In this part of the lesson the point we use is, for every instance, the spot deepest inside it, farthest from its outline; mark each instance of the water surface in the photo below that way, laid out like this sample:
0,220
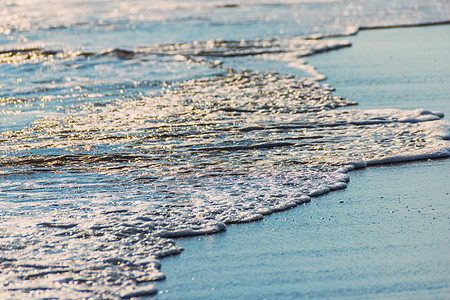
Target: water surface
124,125
384,236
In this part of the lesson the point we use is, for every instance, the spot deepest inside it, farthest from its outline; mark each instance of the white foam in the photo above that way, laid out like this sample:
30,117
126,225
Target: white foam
201,230
99,189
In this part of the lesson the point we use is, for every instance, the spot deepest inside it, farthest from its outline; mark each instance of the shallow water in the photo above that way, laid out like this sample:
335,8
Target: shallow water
125,124
384,236
399,51
379,238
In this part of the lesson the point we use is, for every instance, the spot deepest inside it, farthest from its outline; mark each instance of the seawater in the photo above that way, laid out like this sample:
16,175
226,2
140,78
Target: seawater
127,124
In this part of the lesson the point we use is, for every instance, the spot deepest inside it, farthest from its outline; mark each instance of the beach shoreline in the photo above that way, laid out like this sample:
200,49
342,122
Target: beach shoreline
286,254
123,134
250,236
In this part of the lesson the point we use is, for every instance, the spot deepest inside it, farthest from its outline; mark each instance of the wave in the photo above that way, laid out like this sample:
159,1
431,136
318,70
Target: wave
418,24
123,179
96,15
128,158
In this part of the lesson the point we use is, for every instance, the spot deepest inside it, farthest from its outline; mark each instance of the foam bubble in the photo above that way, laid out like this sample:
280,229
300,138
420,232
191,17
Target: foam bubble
125,149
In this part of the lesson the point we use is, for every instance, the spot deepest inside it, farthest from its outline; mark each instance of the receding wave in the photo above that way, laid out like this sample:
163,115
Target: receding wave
419,24
126,125
92,16
297,47
284,143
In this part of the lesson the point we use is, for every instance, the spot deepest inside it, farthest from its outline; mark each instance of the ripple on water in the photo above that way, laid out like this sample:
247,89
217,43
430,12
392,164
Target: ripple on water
105,190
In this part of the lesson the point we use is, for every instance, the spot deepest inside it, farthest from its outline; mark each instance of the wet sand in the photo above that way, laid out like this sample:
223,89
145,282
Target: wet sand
385,236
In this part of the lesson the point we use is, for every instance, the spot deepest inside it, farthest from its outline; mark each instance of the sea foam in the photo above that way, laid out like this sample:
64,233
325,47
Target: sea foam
193,158
116,140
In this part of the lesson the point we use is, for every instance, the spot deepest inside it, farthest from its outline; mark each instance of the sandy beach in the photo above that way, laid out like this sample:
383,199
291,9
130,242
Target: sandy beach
135,136
385,236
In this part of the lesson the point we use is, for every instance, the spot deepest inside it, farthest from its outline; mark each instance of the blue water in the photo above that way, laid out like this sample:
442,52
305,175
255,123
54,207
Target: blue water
384,241
384,236
126,123
379,65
